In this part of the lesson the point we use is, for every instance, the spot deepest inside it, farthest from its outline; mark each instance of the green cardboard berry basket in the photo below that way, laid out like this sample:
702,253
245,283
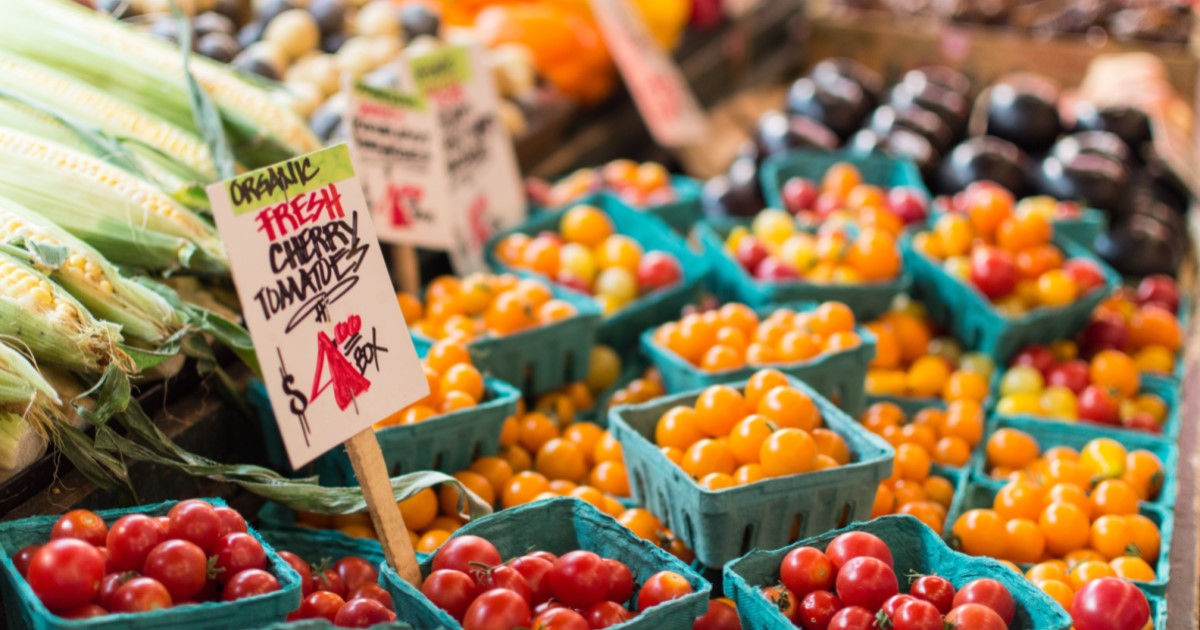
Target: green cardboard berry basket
973,319
732,283
542,358
559,526
915,548
620,329
22,608
1078,434
876,169
720,526
838,376
980,493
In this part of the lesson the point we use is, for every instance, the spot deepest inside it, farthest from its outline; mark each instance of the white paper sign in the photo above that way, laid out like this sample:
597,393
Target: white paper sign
397,145
481,167
661,94
335,352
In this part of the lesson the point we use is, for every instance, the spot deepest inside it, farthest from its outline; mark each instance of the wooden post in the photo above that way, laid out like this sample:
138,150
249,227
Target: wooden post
372,473
406,269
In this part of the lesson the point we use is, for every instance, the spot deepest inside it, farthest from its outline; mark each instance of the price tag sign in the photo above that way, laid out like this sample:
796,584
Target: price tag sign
335,351
397,144
659,90
485,190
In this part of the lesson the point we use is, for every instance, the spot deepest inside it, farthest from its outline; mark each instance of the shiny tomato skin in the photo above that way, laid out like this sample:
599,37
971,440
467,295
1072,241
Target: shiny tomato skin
506,578
23,556
231,522
990,593
535,569
236,553
362,613
784,600
579,579
130,540
86,611
856,544
934,589
560,619
249,583
497,610
993,272
805,570
459,554
355,572
718,616
65,573
663,586
180,566
452,591
916,614
605,614
976,617
329,580
321,605
140,595
889,607
1109,603
544,555
866,582
853,618
196,521
85,525
372,591
301,567
620,584
817,610
109,585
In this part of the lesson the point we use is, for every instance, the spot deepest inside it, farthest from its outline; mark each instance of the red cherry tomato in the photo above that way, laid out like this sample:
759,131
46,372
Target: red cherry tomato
178,565
65,573
458,554
857,544
889,607
916,614
1096,404
934,589
579,579
249,583
302,567
140,595
372,591
236,553
1036,356
195,521
990,593
605,614
108,587
976,617
784,600
866,582
506,578
231,521
544,555
854,618
1109,603
817,610
355,572
1085,273
329,580
362,613
620,583
23,556
805,570
497,610
130,540
657,270
560,619
86,611
719,616
452,591
993,271
85,525
535,570
321,605
663,586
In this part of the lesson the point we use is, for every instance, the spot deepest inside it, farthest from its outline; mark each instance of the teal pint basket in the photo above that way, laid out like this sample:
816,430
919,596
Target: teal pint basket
22,609
620,329
720,526
559,526
732,283
875,168
971,318
1078,434
914,547
839,376
980,493
314,545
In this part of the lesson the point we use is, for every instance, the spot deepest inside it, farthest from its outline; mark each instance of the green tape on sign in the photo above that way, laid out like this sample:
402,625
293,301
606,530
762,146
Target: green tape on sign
390,97
280,182
441,68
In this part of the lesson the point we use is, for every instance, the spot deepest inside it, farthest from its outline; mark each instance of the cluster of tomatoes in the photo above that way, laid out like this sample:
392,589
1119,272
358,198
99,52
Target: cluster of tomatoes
482,304
852,585
579,590
1139,321
733,336
1007,255
775,249
196,553
842,193
732,438
348,594
1104,390
640,185
911,362
454,384
588,255
1046,207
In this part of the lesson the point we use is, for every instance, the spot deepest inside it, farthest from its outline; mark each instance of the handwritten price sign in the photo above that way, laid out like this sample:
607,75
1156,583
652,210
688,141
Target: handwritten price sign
336,354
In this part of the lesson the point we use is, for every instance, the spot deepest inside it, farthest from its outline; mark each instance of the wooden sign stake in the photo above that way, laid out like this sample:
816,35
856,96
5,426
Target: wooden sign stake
406,268
367,460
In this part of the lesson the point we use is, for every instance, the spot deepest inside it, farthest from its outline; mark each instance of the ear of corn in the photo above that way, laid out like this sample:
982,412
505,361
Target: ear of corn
39,315
128,220
21,444
21,384
148,73
88,276
30,409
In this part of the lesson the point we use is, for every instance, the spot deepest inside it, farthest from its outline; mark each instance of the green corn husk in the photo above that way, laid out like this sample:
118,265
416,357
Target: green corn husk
142,314
21,444
147,72
21,384
128,220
